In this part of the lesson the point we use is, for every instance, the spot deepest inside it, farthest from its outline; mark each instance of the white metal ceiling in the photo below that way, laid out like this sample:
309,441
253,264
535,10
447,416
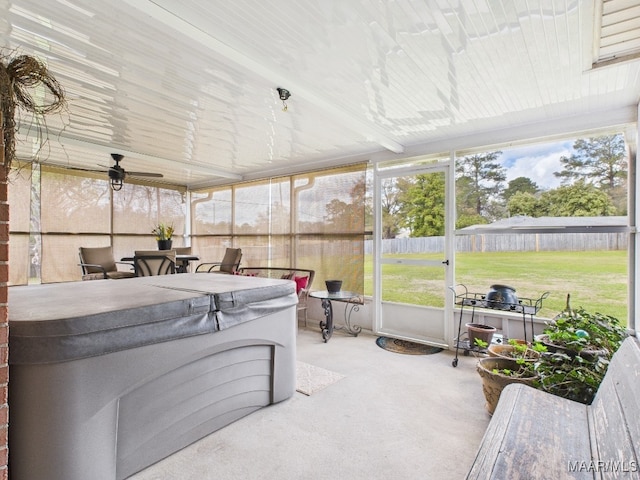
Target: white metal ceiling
188,88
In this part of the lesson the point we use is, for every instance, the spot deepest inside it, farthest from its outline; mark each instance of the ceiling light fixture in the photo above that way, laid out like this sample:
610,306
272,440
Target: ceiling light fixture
284,96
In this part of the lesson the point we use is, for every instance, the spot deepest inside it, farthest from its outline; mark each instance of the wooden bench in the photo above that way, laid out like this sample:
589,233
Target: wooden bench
536,435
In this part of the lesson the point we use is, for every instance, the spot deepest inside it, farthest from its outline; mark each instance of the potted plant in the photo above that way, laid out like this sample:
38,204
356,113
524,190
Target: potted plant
498,372
581,345
582,333
515,349
163,233
478,332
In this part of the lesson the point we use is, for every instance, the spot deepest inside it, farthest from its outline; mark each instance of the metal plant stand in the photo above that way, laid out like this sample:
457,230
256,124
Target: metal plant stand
525,306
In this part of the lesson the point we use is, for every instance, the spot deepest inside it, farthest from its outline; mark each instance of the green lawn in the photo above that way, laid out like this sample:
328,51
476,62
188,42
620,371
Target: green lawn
596,280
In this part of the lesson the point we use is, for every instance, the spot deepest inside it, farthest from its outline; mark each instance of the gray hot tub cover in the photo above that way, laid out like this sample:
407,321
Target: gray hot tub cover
67,321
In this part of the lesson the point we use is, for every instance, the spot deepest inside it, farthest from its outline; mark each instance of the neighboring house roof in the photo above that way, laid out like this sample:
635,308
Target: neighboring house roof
524,224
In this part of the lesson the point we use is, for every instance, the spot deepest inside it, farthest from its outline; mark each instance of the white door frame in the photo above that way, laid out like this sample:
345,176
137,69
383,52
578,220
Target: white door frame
448,167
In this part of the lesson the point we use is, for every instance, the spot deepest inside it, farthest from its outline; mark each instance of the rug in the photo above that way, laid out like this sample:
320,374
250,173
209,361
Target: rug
311,379
404,346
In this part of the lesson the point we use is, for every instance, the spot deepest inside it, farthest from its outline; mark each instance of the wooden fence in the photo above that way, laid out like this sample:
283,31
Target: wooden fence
538,242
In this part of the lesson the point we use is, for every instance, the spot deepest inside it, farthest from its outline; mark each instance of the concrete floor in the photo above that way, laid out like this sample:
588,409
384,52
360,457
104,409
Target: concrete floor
392,416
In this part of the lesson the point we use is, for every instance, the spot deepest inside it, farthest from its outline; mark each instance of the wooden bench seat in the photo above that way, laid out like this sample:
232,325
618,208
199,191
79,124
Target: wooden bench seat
536,435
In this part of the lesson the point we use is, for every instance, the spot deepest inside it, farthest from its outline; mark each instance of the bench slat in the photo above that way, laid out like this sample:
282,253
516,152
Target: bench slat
614,414
534,435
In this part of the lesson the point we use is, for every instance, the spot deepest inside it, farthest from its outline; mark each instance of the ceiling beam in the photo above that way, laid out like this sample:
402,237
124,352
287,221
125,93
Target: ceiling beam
176,22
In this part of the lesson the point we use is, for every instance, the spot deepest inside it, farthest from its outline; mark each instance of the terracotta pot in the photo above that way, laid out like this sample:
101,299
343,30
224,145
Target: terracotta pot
480,331
494,383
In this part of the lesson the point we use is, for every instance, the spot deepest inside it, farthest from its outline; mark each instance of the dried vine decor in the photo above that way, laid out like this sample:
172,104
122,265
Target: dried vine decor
18,77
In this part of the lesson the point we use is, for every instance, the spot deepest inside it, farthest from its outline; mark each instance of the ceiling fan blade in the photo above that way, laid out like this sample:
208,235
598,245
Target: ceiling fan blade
79,169
144,174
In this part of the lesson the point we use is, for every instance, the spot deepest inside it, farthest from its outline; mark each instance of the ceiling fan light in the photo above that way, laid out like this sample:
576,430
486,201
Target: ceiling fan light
116,184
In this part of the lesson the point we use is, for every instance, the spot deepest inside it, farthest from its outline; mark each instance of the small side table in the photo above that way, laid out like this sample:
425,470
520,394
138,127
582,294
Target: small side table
352,302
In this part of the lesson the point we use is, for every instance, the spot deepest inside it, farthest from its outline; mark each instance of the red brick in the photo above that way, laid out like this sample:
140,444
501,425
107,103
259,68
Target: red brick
4,335
4,414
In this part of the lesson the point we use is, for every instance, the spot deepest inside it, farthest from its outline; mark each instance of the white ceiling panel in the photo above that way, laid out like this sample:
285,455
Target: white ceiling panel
188,88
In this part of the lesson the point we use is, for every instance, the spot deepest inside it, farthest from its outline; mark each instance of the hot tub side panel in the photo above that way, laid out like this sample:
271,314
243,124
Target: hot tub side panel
109,416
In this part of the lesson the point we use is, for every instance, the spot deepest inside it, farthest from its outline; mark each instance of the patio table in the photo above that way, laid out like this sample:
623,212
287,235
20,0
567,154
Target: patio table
352,302
182,262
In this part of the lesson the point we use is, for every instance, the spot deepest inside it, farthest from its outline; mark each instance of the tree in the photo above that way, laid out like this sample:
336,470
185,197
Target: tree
348,216
424,205
479,182
578,200
465,220
520,185
598,160
392,192
524,203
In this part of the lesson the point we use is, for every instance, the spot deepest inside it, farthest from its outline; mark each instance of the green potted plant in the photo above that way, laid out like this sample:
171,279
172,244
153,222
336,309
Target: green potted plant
515,349
479,332
582,333
581,345
163,233
498,372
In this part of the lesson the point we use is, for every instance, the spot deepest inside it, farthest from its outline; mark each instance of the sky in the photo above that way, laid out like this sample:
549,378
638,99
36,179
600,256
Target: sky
536,162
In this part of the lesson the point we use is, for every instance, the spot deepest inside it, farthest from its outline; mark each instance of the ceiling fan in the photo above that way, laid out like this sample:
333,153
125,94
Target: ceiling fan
117,174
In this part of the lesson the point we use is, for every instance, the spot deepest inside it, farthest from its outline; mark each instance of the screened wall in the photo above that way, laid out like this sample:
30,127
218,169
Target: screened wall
53,213
313,220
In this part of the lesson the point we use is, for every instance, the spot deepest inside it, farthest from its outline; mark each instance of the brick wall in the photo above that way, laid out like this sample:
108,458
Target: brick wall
4,325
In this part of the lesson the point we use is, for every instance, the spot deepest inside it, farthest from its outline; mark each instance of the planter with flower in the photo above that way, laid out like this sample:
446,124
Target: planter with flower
163,233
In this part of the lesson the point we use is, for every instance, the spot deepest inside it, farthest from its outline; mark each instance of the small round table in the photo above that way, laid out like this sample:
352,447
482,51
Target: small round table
352,302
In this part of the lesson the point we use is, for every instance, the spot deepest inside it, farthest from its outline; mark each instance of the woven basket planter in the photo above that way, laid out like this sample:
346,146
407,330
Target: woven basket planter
494,383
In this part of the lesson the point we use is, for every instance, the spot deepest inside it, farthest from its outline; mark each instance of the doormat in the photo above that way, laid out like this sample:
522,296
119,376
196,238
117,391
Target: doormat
404,346
311,379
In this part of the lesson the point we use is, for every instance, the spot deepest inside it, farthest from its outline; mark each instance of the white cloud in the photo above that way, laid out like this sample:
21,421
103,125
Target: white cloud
538,166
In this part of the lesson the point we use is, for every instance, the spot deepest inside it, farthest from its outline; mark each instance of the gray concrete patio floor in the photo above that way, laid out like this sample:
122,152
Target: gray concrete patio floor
391,416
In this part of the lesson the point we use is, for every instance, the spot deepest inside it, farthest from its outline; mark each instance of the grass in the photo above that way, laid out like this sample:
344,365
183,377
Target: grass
596,280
